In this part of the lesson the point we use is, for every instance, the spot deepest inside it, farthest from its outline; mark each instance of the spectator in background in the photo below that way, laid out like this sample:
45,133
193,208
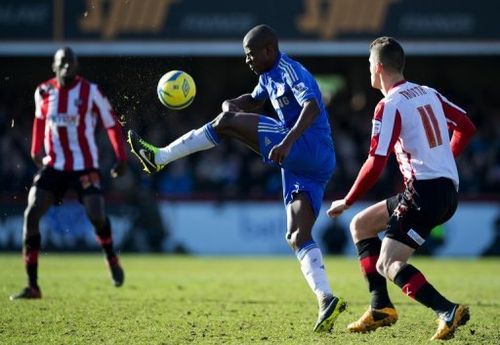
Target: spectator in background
68,108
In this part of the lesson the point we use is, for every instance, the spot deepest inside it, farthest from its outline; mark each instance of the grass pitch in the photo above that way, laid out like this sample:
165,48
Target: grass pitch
230,300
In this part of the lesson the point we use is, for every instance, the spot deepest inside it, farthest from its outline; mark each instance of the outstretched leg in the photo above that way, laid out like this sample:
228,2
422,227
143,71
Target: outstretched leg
300,220
241,126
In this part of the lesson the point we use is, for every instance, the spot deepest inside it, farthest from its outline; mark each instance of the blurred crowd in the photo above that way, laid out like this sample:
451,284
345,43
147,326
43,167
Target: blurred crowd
232,171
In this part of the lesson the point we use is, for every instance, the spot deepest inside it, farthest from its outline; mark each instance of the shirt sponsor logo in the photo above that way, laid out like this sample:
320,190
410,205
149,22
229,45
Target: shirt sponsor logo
65,120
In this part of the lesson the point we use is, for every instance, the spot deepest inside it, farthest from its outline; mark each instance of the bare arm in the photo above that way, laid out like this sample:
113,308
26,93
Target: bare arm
310,110
243,103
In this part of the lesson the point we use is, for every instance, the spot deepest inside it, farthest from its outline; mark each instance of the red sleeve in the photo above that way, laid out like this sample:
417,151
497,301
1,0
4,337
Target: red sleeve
116,138
367,176
37,136
462,126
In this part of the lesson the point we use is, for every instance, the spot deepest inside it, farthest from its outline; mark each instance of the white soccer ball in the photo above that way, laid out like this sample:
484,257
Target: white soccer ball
176,90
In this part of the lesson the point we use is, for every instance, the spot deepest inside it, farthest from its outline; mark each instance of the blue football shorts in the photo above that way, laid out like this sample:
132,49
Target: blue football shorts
308,166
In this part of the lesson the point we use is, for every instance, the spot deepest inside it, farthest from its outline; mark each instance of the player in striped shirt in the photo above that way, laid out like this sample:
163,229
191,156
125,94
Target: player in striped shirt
299,142
413,122
68,110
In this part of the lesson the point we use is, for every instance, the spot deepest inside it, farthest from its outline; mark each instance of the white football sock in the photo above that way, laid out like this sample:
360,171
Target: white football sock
311,264
200,139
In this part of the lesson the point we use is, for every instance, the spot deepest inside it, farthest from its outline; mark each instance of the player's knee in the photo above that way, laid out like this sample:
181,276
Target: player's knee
223,121
354,226
295,239
388,267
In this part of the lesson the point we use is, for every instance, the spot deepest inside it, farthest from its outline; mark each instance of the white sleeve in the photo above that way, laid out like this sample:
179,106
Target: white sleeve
101,104
38,103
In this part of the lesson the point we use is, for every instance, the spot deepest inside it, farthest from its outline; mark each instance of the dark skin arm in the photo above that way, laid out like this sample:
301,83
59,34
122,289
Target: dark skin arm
244,103
310,110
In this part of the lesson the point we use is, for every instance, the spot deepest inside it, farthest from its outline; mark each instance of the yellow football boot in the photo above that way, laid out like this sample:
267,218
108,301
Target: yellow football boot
373,319
448,324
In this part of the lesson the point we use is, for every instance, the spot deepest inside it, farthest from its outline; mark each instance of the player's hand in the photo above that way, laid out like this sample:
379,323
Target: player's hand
279,152
119,169
337,208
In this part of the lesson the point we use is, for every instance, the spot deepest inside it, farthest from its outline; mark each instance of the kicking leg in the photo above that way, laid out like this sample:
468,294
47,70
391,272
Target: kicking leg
241,126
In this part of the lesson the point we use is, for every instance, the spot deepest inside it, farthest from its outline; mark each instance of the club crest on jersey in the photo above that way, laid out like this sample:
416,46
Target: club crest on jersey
280,90
376,127
78,102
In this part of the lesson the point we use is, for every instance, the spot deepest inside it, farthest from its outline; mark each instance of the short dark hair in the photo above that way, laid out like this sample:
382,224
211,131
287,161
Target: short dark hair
261,36
389,53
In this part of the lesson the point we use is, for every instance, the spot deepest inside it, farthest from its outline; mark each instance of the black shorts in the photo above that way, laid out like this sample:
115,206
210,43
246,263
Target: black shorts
416,211
84,182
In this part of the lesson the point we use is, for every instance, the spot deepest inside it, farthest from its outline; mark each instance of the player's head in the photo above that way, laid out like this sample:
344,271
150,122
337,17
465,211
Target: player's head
65,65
386,56
261,48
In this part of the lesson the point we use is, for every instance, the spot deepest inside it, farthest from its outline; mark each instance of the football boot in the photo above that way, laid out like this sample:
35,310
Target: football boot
373,319
144,151
329,311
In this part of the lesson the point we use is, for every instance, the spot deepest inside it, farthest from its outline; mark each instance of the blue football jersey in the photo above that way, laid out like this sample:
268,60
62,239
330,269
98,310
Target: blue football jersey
288,85
311,160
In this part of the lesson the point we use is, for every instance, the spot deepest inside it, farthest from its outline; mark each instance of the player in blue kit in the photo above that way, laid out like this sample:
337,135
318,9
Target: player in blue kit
299,142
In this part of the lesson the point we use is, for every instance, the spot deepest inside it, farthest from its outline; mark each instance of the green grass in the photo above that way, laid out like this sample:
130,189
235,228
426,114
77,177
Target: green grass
230,300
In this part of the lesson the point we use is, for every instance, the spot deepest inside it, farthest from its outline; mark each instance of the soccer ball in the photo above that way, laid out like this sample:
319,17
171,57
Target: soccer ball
176,90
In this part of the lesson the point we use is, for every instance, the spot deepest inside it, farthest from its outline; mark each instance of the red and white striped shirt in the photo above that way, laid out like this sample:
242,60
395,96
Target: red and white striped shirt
66,120
413,121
